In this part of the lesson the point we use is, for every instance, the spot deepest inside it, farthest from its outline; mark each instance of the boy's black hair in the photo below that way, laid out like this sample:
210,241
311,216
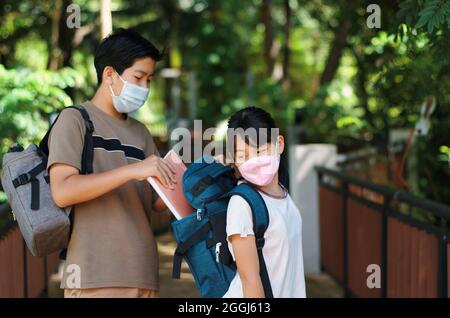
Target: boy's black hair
257,118
120,50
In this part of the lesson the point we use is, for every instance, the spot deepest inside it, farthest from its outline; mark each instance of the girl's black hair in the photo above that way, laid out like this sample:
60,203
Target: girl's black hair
257,118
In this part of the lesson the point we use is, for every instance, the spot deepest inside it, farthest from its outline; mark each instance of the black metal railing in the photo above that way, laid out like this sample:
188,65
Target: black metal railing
390,204
23,259
32,280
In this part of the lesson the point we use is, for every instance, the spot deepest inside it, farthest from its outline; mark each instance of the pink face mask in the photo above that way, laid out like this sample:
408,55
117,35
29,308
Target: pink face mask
260,170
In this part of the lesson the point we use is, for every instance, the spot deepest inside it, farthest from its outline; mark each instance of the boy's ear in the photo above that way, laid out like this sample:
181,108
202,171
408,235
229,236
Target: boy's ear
108,73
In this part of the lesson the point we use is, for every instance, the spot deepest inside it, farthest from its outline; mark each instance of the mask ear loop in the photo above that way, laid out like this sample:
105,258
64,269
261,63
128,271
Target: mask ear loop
112,92
110,87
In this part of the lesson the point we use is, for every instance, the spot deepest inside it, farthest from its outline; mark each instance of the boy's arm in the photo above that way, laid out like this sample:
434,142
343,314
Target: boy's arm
68,187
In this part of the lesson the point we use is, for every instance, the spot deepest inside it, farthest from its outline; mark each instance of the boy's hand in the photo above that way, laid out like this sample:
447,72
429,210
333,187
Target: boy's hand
154,166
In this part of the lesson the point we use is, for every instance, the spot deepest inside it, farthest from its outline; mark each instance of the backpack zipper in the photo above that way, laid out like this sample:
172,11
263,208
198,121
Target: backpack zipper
222,266
218,245
219,266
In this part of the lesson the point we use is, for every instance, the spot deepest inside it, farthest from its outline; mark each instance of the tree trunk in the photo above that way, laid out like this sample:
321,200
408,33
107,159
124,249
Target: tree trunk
105,18
54,57
169,8
334,56
66,43
269,54
361,80
66,36
287,47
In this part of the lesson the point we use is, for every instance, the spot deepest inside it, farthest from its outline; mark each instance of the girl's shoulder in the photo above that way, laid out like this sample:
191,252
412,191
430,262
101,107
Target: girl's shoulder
237,202
239,217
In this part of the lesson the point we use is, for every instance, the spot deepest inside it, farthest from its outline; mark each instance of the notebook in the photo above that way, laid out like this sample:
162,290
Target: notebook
174,198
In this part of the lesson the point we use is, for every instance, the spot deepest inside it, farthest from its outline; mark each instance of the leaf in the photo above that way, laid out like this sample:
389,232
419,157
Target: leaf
422,21
433,14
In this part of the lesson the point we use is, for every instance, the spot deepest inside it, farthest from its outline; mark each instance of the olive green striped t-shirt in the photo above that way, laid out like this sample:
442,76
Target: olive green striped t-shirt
112,242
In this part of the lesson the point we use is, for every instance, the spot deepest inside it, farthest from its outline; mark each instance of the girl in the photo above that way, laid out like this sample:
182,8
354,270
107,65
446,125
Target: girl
258,163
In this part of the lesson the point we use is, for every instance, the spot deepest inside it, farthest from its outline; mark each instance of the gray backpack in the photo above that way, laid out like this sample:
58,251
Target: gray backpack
45,227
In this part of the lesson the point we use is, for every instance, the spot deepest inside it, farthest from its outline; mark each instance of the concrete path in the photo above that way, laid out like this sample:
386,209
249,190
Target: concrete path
321,285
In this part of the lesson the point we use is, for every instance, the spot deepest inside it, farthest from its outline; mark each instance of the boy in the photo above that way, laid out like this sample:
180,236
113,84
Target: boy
111,244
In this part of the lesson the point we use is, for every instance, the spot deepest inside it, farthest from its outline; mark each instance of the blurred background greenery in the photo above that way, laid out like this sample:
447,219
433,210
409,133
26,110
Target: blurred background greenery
313,64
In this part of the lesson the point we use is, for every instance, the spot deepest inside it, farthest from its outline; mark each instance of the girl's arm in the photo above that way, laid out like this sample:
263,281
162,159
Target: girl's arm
247,262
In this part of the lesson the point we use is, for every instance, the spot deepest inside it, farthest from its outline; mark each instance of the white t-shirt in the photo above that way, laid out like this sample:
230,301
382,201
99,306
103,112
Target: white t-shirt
282,250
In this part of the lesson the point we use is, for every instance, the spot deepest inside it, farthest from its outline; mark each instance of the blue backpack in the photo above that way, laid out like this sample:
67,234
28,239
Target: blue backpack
202,238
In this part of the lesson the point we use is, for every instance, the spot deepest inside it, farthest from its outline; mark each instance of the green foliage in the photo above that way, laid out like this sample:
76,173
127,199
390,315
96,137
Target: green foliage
430,14
426,35
27,98
382,78
444,155
394,69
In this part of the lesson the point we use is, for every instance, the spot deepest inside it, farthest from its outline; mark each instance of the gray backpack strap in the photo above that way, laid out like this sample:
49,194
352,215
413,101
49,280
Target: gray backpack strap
30,176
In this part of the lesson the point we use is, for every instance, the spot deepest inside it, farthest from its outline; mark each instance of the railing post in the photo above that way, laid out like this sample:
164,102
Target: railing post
25,269
384,246
319,183
345,234
45,275
442,266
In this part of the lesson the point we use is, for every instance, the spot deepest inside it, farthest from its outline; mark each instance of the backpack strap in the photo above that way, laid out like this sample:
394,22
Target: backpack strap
183,247
87,157
28,177
88,146
260,217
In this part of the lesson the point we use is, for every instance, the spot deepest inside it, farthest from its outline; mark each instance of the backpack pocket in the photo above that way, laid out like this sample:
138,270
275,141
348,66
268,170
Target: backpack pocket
196,244
45,228
208,274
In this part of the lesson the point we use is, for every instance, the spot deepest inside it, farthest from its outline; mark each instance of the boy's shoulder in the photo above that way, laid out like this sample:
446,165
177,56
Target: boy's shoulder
69,117
71,113
136,124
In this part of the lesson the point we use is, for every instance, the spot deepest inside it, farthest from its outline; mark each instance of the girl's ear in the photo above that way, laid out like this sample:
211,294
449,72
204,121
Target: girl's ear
280,144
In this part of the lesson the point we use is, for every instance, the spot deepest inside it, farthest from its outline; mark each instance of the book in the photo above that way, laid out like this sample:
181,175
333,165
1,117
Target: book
174,198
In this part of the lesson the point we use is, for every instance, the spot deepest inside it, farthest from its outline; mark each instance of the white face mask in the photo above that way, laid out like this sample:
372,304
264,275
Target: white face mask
131,98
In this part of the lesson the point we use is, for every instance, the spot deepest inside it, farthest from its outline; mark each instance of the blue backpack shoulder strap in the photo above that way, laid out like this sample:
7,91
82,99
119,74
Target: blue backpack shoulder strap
260,216
259,210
